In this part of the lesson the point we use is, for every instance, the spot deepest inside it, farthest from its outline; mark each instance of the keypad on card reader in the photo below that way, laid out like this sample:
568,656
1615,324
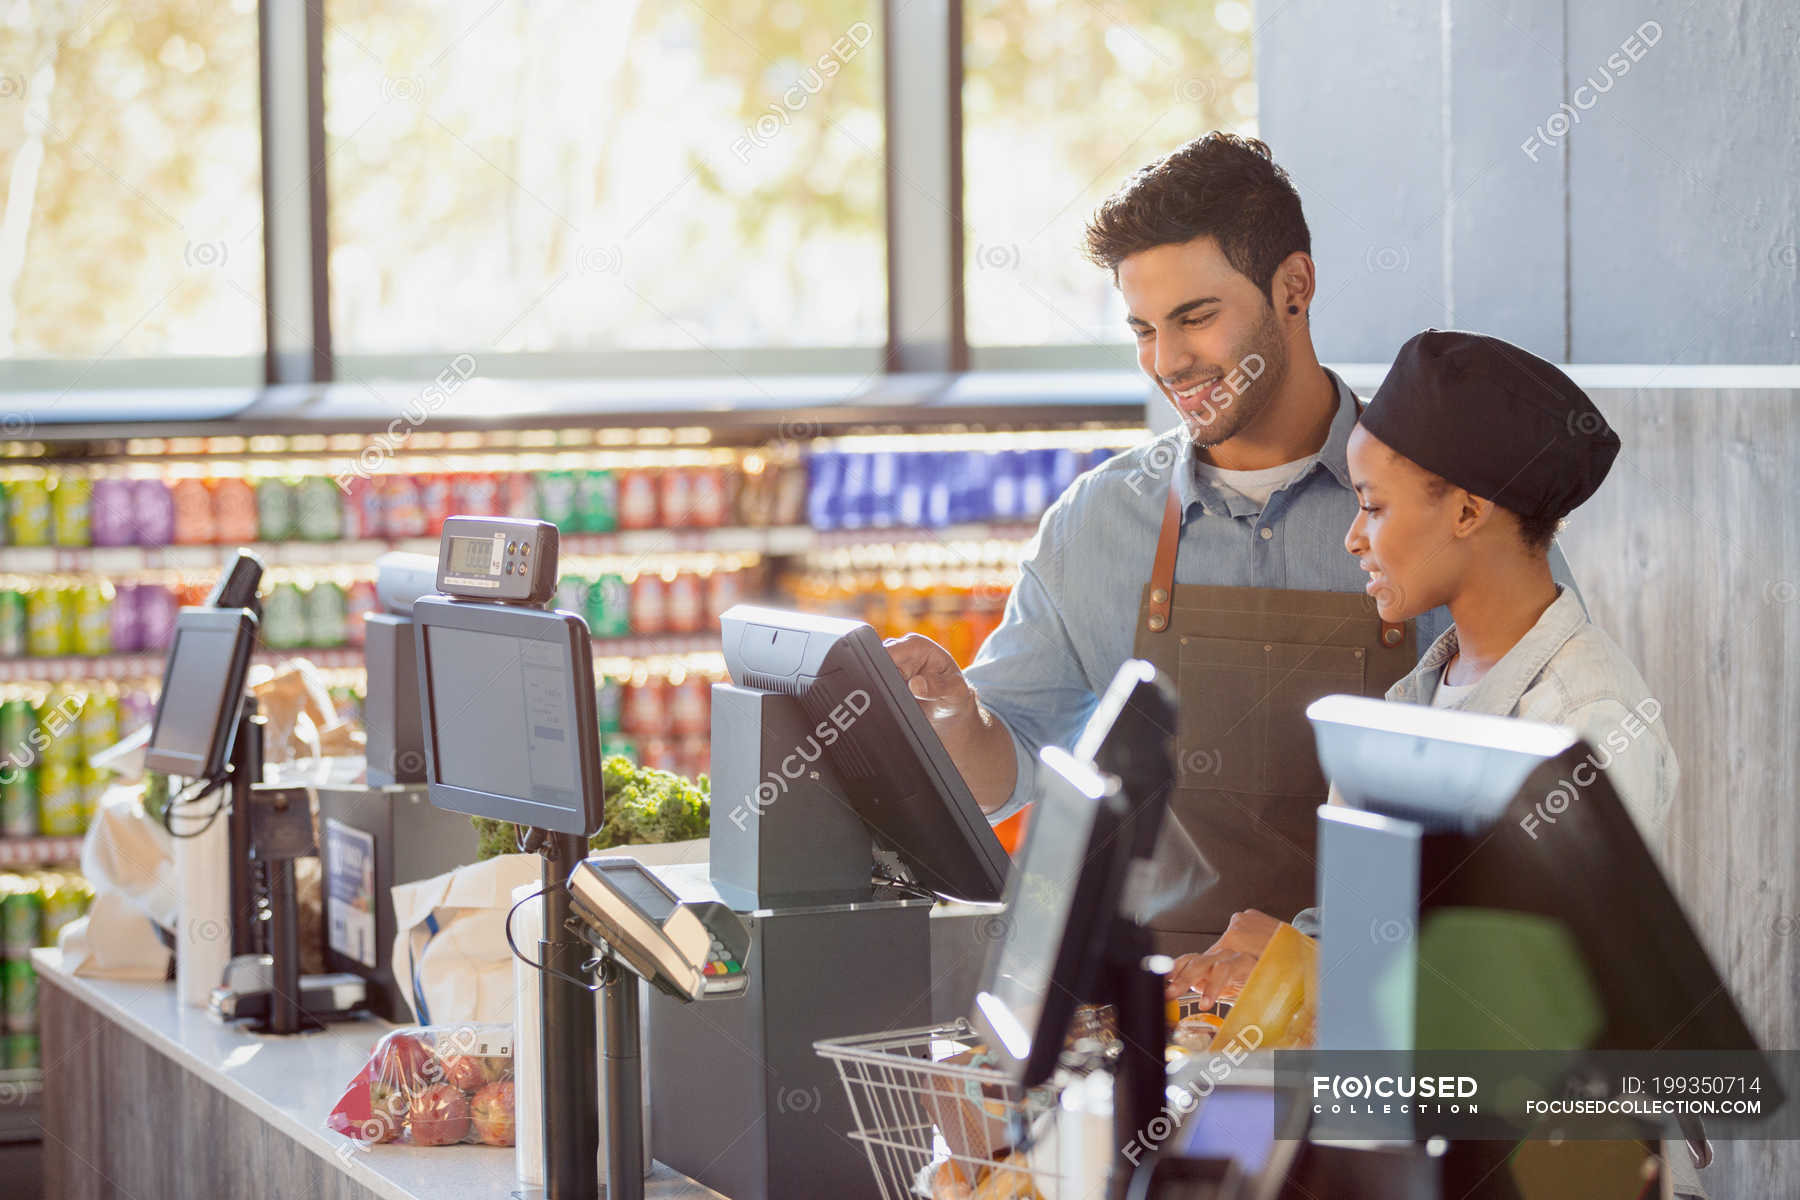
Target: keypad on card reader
719,961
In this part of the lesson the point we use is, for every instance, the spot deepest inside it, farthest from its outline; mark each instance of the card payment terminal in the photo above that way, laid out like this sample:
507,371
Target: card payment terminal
691,950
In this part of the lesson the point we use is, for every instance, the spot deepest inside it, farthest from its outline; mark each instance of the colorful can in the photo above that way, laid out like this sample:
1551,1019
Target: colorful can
153,512
91,613
637,500
275,510
327,614
649,609
710,497
112,519
362,505
609,698
475,494
609,607
66,898
572,595
675,497
23,1052
156,610
193,524
59,719
359,602
556,498
13,624
47,621
60,800
597,502
18,983
72,511
437,496
234,509
402,513
28,519
18,717
319,509
284,616
99,722
18,797
685,604
646,708
21,914
690,705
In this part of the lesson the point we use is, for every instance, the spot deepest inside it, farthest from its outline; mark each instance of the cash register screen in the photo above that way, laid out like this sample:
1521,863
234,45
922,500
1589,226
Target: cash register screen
192,731
501,711
1039,898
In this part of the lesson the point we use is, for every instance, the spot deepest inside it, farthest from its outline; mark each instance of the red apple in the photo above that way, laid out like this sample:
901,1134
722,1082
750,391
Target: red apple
492,1110
466,1071
440,1116
401,1060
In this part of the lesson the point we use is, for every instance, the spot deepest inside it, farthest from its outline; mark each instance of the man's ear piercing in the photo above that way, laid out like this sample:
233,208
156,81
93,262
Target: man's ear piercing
1293,308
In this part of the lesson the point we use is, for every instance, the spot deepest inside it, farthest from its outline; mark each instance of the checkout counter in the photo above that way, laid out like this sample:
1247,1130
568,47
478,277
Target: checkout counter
772,966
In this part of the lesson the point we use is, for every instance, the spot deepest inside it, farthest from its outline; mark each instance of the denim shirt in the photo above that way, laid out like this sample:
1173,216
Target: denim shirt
1566,671
1071,621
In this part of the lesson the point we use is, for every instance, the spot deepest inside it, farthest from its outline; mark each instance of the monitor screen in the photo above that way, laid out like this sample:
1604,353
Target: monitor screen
507,699
203,682
893,769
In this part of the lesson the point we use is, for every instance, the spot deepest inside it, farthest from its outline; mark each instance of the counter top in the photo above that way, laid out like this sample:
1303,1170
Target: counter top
292,1083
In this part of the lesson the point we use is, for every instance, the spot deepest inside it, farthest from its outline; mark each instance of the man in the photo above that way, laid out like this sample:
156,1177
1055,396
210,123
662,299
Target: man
1215,551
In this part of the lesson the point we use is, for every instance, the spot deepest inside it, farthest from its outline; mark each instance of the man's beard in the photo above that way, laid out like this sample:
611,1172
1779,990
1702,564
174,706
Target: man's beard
1253,379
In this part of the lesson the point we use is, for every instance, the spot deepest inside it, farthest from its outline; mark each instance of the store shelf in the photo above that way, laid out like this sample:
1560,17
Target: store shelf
36,851
116,561
149,665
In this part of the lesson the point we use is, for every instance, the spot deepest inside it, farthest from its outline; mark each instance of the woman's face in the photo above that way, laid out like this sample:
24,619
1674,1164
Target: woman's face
1406,530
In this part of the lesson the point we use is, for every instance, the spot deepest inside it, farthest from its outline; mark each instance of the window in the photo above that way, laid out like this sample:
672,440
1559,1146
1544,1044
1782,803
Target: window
1061,102
533,176
130,192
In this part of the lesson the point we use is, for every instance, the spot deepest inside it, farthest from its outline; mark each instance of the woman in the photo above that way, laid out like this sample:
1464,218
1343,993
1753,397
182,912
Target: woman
1465,464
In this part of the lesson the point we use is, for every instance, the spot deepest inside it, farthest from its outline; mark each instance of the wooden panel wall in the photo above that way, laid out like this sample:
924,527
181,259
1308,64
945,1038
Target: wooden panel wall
1689,557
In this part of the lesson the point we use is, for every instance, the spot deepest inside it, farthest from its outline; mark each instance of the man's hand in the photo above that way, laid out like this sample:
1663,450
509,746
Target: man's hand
979,744
1221,971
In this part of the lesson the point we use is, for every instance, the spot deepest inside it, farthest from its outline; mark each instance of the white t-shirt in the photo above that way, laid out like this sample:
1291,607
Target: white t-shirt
1447,695
1256,486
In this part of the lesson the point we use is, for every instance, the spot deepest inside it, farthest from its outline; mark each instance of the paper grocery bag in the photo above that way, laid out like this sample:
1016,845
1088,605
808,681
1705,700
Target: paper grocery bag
450,953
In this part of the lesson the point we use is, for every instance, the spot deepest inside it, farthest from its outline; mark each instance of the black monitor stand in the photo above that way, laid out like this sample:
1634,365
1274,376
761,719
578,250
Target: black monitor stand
568,1049
249,933
1136,995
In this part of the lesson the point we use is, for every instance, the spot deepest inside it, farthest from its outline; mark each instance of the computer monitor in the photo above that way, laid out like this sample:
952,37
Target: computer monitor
506,698
896,774
196,722
1069,886
1518,817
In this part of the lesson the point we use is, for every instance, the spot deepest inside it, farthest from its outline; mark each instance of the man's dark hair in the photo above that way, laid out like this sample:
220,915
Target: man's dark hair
1220,186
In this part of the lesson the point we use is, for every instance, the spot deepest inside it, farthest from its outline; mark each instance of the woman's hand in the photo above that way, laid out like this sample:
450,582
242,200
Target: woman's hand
1220,972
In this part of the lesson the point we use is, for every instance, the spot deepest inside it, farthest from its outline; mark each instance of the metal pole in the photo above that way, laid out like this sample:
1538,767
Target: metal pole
622,1051
567,1037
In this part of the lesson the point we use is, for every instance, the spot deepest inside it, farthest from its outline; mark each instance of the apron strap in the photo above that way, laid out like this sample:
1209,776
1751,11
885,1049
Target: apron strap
1162,572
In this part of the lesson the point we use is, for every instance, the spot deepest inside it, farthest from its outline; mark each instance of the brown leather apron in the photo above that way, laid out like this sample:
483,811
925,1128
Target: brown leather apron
1246,662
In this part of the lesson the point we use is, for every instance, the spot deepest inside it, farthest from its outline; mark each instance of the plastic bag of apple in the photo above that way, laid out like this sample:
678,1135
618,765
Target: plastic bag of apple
439,1085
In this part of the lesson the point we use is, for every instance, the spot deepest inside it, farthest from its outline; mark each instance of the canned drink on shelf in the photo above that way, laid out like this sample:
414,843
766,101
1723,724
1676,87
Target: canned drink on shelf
723,590
18,797
47,621
475,494
194,523
646,710
637,500
326,614
274,510
23,1052
362,508
690,705
13,626
684,604
71,510
572,596
648,609
152,512
92,613
358,604
615,743
518,496
234,509
609,699
318,510
18,982
18,717
28,520
21,914
710,497
609,606
60,800
597,502
156,609
675,497
60,722
556,498
113,520
127,628
99,722
284,616
437,499
402,513
67,897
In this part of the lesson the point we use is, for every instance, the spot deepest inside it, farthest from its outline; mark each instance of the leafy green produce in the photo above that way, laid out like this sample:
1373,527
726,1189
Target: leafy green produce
643,806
